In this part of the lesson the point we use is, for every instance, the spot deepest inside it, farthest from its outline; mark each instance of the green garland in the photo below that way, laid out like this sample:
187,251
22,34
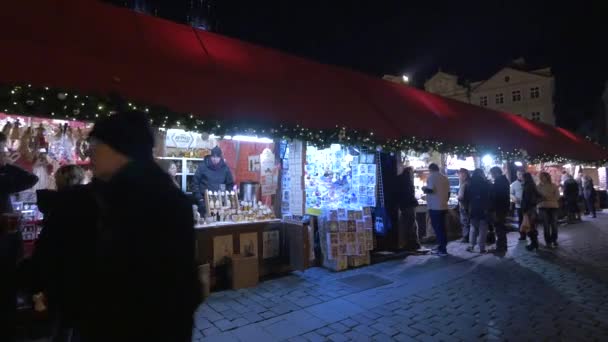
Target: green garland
68,105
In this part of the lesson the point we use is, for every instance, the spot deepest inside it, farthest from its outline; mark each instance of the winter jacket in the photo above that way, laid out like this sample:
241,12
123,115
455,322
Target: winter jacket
209,177
438,191
517,190
588,189
12,180
146,283
530,198
406,197
549,194
463,193
479,204
65,251
571,189
501,195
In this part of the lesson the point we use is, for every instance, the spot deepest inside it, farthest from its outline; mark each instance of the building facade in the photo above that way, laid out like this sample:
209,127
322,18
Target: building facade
526,93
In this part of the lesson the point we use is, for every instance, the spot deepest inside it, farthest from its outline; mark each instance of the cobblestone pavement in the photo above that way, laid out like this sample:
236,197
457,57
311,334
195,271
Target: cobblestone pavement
549,295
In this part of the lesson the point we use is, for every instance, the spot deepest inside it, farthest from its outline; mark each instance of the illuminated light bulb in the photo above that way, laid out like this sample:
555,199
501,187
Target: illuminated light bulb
487,159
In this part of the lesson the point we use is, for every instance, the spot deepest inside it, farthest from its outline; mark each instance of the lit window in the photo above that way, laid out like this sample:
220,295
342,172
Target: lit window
535,116
483,101
534,92
500,98
516,95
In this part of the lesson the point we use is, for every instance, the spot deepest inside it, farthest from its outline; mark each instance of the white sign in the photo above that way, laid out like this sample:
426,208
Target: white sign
268,173
182,139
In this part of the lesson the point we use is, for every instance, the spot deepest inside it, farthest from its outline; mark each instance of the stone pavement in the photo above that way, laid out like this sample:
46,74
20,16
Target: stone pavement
549,295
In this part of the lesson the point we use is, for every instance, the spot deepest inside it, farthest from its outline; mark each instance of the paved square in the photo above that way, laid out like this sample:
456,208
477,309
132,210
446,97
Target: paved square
550,295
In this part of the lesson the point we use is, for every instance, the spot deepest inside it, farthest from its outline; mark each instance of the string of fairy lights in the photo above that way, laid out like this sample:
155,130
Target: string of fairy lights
68,105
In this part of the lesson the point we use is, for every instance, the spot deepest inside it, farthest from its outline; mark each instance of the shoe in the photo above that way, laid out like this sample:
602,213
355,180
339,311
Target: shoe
464,240
483,251
439,253
470,249
555,243
533,241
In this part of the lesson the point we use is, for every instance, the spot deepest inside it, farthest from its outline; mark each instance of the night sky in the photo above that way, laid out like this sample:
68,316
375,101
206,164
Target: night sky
471,39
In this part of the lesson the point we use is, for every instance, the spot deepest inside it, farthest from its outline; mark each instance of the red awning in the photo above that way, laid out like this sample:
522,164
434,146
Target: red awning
94,47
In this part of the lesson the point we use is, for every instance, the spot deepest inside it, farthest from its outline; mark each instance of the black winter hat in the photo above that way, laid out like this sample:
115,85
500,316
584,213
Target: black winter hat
216,152
128,132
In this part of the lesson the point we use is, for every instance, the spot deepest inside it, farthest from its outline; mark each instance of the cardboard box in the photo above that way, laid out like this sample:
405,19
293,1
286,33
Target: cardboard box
244,271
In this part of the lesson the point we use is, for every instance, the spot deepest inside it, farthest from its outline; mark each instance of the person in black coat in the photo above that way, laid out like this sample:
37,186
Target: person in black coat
64,254
571,192
501,203
145,282
589,194
407,203
211,173
479,210
12,180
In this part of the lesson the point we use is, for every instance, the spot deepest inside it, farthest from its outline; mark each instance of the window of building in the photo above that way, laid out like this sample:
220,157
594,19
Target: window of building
516,95
500,98
535,116
534,92
483,101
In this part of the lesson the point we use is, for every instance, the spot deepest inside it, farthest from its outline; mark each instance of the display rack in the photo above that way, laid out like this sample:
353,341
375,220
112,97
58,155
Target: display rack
186,168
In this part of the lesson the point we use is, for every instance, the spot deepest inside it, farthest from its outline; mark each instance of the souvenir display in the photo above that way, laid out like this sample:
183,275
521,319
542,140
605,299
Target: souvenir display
339,177
347,244
224,206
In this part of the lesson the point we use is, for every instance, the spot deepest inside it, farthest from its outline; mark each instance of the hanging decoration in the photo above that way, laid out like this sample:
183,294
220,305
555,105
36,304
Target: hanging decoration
67,105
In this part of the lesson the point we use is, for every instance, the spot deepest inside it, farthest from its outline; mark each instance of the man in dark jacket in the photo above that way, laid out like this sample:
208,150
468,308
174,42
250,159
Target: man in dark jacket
146,284
571,192
501,202
479,210
407,203
12,180
211,173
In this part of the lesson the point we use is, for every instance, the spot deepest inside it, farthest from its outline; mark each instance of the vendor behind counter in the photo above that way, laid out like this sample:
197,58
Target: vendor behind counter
211,173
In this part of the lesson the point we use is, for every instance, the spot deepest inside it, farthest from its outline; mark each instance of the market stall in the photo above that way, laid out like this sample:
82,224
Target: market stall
220,88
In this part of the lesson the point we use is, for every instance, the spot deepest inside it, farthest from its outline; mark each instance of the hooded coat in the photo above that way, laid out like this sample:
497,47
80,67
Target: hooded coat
209,177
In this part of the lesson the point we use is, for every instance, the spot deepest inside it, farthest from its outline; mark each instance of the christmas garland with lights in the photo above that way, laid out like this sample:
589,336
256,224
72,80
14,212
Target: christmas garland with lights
67,105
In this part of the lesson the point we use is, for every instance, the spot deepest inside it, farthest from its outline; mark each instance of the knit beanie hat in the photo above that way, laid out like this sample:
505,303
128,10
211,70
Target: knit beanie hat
128,132
216,152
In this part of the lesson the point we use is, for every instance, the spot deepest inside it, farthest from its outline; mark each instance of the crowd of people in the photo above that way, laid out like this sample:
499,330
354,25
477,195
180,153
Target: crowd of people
485,203
115,260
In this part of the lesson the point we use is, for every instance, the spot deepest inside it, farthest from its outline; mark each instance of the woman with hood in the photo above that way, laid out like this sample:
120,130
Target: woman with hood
211,173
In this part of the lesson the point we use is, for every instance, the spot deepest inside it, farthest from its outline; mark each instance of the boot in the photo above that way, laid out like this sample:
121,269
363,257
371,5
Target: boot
533,241
522,236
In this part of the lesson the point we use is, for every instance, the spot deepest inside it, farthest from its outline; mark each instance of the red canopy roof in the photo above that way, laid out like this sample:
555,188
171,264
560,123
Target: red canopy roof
90,46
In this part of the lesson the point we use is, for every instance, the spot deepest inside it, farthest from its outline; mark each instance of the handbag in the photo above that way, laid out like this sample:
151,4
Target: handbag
526,225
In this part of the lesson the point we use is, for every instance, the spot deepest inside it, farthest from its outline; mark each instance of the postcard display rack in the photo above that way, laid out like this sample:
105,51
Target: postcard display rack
341,190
